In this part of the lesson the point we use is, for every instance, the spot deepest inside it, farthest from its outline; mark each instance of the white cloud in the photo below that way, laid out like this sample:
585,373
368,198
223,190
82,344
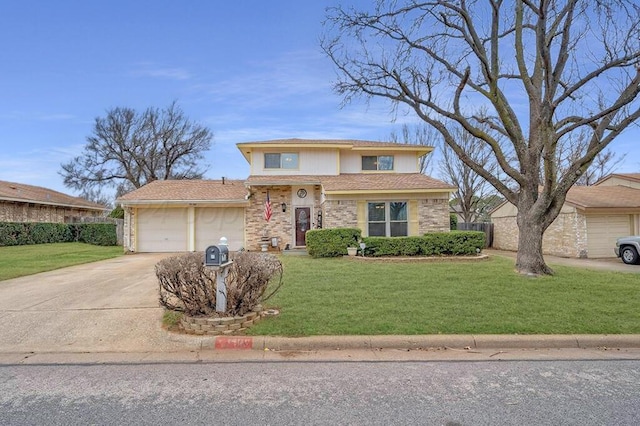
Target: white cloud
300,76
38,167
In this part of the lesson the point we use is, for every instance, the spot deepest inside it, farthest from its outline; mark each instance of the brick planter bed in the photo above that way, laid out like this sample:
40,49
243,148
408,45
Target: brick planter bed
220,325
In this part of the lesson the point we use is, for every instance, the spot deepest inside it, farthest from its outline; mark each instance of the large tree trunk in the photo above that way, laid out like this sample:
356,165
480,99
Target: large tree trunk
529,260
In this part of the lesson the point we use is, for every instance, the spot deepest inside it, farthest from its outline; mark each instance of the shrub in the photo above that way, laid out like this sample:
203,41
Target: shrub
99,234
431,244
248,280
331,242
453,221
186,285
117,213
23,233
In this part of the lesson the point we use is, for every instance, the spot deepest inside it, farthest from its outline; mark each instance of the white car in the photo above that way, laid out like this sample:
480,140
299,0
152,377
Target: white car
627,248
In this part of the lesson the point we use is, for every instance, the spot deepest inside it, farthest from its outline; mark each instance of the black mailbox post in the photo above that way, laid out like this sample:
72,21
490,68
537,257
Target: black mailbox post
216,256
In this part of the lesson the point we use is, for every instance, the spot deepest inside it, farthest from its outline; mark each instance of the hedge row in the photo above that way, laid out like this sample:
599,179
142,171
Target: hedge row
334,242
331,242
20,233
452,243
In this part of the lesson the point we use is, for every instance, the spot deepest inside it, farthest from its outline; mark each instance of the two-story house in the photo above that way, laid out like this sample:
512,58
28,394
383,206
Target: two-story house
294,185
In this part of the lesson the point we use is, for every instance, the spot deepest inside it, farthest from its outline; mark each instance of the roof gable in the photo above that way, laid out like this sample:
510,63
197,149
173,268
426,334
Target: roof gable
604,197
20,192
633,179
598,198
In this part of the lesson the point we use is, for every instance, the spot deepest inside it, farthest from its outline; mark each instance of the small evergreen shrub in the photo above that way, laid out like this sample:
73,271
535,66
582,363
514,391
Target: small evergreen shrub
117,213
331,242
432,244
453,221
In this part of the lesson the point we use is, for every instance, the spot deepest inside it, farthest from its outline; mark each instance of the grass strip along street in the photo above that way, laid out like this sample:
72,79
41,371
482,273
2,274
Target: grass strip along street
17,261
345,297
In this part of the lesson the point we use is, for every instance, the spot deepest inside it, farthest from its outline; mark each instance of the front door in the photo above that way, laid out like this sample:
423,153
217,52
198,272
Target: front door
303,221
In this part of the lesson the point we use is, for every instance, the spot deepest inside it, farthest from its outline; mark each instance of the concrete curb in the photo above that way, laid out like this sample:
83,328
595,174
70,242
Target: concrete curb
485,341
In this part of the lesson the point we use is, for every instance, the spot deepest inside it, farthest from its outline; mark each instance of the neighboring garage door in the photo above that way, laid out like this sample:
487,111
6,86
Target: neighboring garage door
212,223
602,232
161,230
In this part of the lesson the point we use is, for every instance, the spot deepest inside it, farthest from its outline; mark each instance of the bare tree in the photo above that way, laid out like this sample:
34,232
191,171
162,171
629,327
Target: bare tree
604,163
129,149
420,134
542,70
473,190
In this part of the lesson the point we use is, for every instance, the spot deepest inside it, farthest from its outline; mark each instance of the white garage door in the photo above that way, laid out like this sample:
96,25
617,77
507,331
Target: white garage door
602,232
162,230
212,223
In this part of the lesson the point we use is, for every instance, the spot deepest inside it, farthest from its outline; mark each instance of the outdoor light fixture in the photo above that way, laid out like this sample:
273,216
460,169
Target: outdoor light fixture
284,207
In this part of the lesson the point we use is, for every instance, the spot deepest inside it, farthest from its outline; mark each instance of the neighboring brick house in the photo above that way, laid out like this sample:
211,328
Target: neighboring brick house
28,203
374,186
591,220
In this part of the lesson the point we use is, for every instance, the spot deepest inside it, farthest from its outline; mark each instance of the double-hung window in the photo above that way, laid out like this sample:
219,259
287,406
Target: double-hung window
387,219
377,162
284,160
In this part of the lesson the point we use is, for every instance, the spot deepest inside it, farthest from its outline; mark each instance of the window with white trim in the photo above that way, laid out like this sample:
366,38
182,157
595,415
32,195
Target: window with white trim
281,160
377,162
387,219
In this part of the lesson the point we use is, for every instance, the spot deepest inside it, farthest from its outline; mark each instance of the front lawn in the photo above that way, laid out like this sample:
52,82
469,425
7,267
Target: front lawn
344,297
17,261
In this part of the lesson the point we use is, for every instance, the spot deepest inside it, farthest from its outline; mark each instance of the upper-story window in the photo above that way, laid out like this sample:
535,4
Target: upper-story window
377,162
284,160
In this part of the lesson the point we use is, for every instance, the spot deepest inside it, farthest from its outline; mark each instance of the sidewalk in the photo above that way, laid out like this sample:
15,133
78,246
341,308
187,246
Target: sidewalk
434,348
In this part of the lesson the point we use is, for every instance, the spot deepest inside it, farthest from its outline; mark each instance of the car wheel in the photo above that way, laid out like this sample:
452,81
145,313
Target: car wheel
629,255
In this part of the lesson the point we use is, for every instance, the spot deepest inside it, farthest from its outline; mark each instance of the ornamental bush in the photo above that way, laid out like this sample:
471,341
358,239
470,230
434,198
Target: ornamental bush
186,285
331,242
24,233
453,221
432,244
98,234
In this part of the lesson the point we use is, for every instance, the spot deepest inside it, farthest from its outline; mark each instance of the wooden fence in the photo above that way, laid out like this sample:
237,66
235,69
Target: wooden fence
485,227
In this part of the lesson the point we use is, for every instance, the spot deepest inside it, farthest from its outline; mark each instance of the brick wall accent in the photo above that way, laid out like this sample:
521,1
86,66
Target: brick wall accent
433,215
566,237
280,224
129,229
340,214
220,326
29,212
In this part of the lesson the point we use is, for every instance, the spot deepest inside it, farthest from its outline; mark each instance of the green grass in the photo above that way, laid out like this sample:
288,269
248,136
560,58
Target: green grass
343,297
17,261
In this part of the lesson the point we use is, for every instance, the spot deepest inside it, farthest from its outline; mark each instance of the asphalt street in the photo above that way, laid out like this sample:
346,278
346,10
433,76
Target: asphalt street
371,393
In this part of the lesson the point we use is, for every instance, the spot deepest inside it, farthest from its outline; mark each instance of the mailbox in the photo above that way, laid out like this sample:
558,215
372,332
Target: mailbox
216,255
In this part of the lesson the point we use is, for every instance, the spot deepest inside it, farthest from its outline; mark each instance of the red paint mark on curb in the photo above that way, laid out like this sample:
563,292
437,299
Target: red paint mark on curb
234,342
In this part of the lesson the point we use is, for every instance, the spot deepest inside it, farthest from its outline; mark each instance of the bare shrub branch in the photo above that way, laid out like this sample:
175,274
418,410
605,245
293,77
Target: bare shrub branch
186,285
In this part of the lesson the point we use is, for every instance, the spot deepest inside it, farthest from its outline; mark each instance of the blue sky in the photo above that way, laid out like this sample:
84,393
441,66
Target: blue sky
249,70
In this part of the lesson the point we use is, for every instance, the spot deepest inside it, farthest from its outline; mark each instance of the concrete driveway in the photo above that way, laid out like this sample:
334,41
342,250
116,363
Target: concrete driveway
106,306
612,264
